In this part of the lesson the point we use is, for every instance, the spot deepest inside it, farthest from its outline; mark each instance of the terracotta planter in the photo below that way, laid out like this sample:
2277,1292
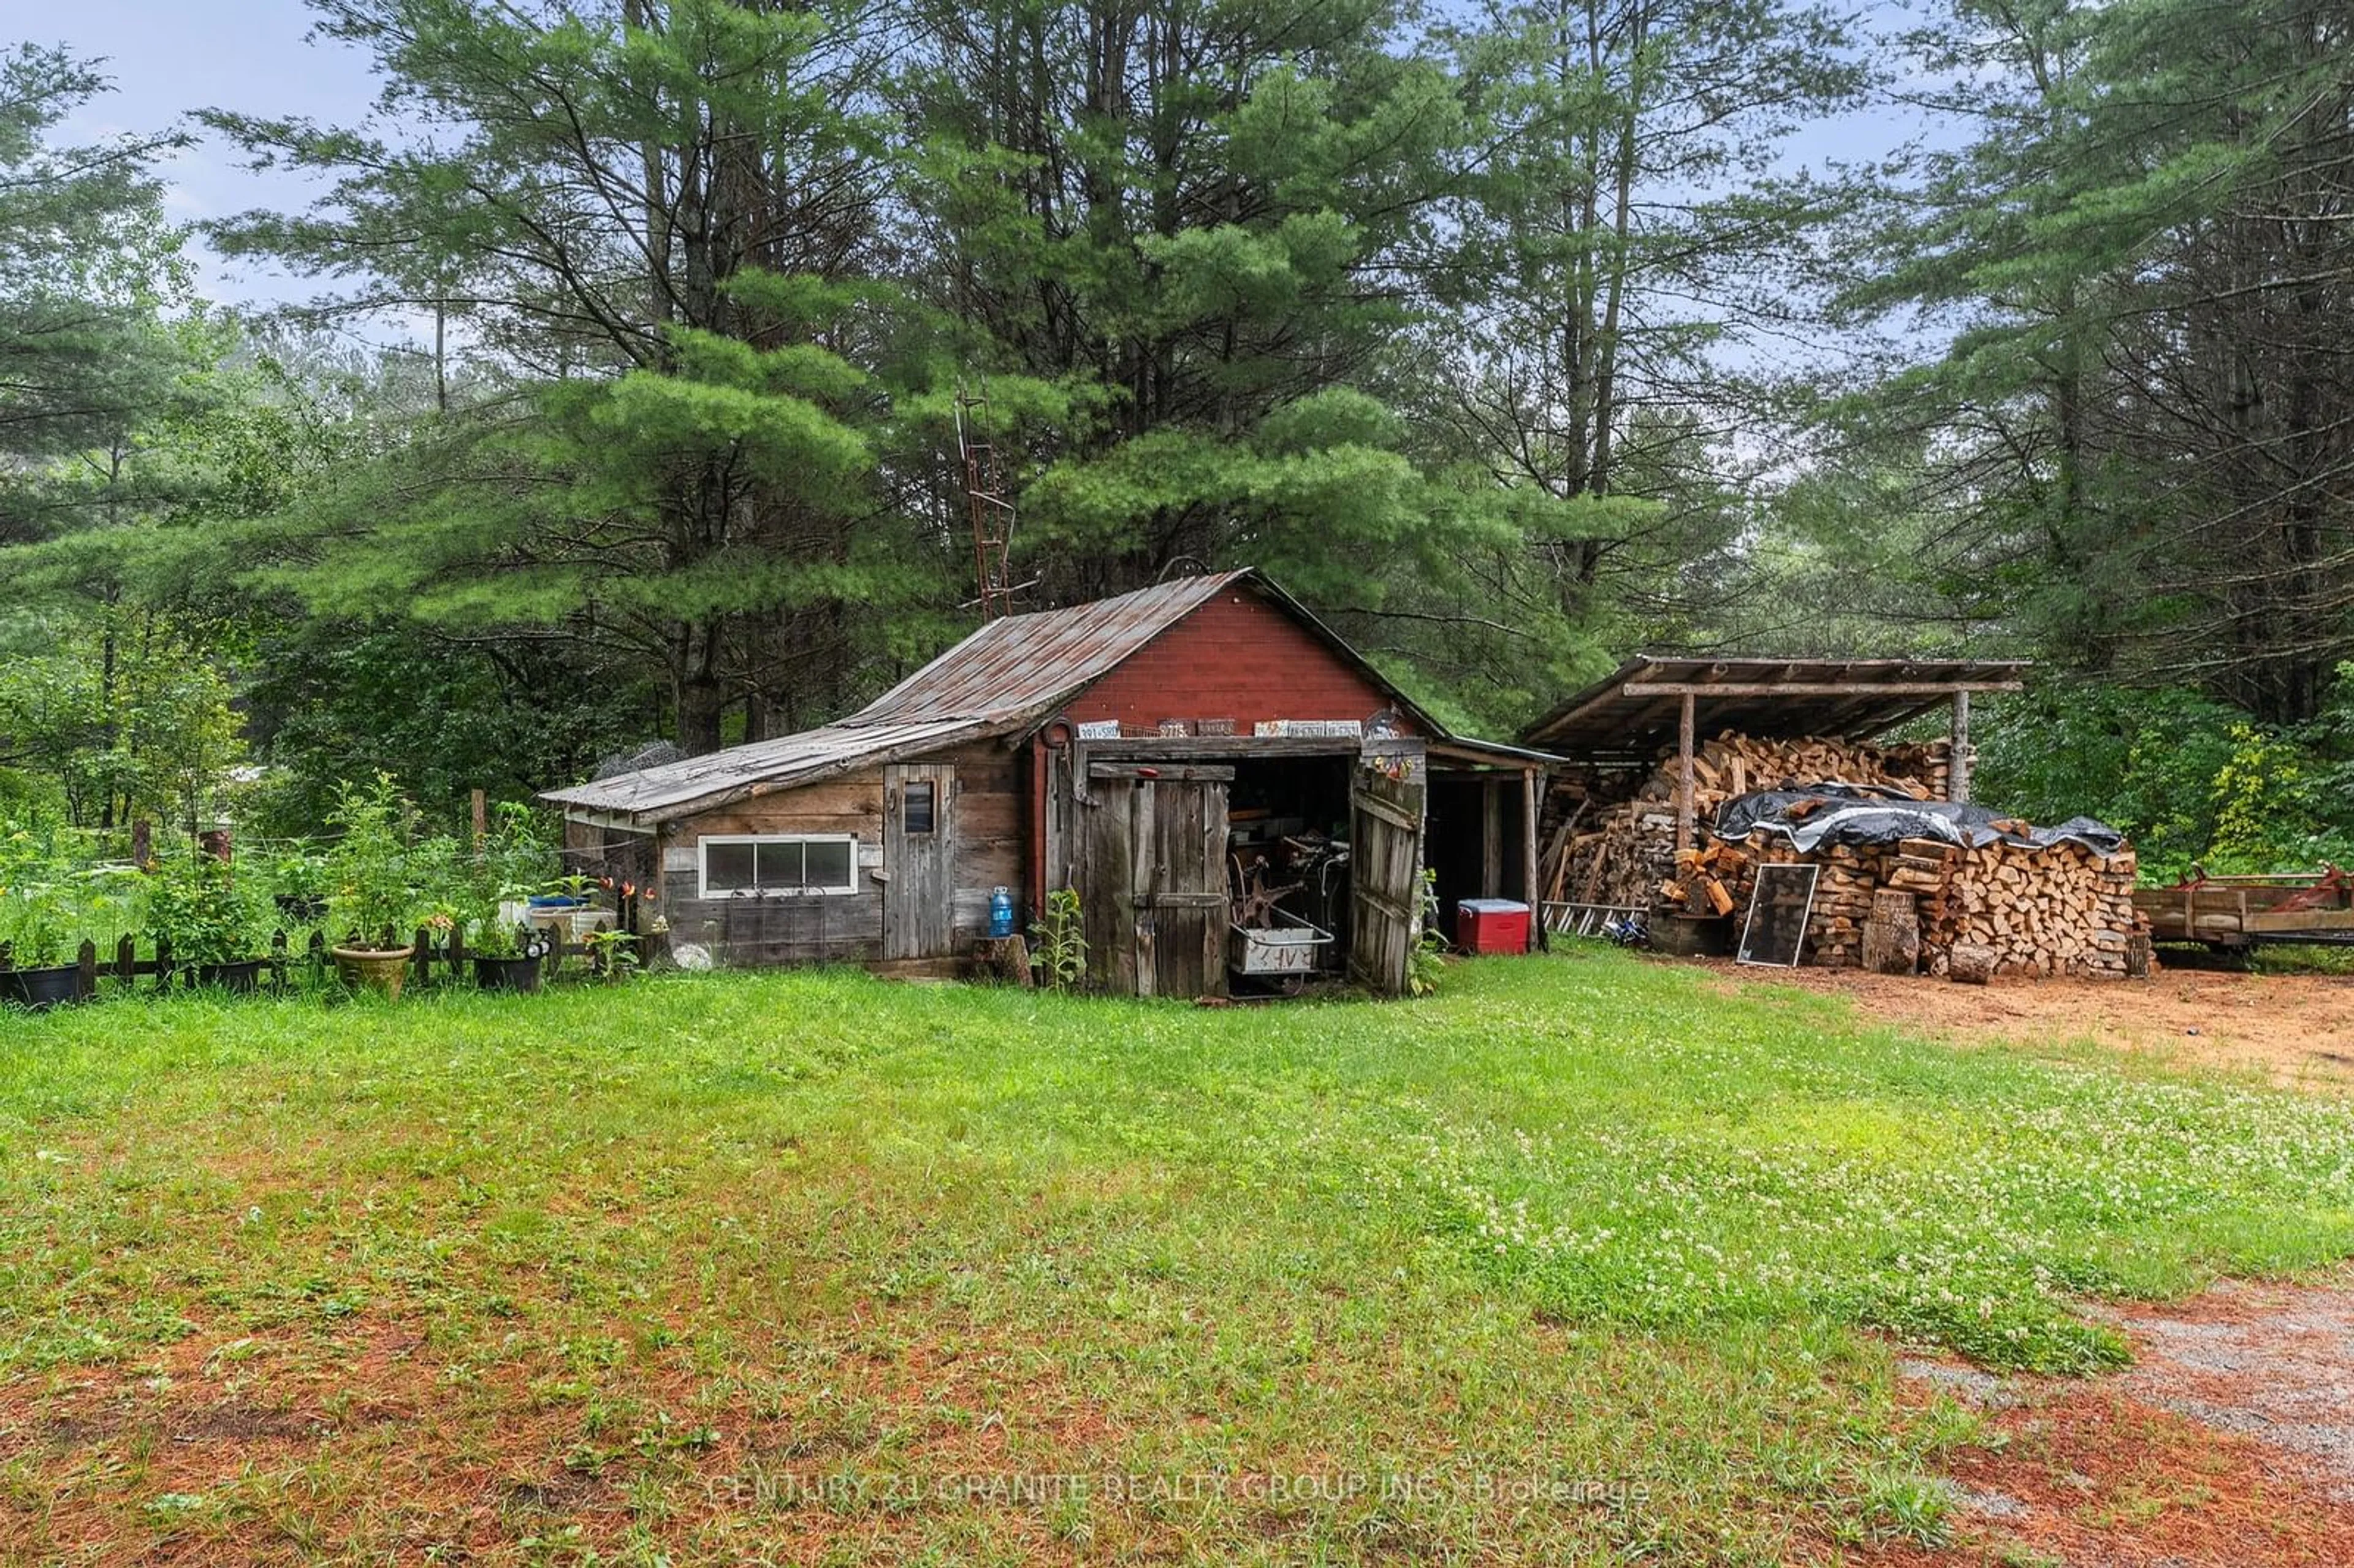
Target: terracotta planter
507,974
41,989
240,978
378,970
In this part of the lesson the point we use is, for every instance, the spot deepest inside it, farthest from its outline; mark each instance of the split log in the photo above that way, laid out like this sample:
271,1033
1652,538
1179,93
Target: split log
1967,963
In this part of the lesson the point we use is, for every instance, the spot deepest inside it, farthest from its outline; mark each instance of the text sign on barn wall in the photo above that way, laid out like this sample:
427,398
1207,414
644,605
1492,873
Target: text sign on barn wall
1310,729
1779,904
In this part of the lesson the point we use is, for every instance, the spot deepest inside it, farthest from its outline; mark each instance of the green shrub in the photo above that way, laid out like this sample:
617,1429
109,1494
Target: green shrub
208,913
374,898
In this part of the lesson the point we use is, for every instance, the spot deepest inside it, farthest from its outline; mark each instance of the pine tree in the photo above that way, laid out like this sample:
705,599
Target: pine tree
1626,245
1195,222
87,264
653,224
2140,428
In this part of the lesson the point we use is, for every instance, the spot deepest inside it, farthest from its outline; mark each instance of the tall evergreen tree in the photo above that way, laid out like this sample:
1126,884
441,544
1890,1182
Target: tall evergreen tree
1626,244
1194,221
88,263
652,221
2142,428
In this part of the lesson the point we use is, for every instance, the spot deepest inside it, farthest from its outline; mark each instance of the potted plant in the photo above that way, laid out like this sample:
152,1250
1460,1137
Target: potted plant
372,901
212,922
508,955
38,923
510,866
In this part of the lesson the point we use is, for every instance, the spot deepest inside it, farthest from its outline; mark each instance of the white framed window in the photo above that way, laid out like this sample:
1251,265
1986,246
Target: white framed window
777,866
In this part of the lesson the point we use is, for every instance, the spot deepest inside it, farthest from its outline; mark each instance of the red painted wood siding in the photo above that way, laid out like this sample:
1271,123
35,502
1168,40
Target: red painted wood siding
1237,657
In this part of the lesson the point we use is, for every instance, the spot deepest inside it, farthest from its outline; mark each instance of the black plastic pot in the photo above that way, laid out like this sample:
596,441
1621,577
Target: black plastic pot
41,989
507,974
242,978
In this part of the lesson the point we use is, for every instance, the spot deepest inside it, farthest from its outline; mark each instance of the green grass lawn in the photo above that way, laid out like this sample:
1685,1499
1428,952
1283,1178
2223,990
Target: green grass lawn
1583,1259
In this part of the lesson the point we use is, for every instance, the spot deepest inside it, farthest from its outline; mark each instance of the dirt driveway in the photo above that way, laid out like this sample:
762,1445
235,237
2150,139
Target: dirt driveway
2292,1028
2228,1443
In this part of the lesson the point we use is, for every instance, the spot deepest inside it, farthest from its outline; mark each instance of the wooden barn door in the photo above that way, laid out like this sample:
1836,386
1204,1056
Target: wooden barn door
919,859
1154,861
1385,817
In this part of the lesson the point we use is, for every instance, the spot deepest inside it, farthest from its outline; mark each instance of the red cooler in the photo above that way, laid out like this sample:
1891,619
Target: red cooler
1491,926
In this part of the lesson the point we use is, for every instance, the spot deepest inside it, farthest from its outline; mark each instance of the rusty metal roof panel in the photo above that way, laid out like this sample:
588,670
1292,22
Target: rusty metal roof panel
1026,666
1005,676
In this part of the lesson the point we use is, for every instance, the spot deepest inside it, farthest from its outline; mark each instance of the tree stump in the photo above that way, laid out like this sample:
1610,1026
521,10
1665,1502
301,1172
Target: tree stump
2140,960
1891,937
1004,959
1970,963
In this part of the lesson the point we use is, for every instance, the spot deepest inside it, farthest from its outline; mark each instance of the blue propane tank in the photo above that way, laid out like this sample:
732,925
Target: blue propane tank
1000,912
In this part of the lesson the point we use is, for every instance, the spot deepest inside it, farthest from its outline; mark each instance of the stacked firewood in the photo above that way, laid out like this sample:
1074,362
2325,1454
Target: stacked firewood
2061,910
1698,885
1610,839
1844,880
2001,909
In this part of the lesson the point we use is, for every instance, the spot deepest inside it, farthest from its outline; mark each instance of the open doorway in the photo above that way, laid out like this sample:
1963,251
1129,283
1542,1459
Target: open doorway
1288,857
1474,839
1248,865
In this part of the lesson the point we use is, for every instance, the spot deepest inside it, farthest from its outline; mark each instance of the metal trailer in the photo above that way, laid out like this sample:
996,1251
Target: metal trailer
2232,912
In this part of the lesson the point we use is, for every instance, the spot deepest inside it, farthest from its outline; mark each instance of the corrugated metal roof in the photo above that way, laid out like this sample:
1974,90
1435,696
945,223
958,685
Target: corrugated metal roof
1007,677
1026,666
1003,677
699,783
1606,722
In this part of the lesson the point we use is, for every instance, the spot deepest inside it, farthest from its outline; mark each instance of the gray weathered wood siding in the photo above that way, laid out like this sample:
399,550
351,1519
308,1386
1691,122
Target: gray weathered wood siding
987,821
834,927
992,847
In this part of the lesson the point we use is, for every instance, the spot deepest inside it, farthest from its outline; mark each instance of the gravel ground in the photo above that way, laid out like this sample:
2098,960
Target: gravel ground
2228,1443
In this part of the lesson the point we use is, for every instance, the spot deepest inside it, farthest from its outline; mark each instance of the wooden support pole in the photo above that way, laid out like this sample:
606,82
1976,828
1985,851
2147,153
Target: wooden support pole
1957,777
482,819
1684,774
1531,792
1491,839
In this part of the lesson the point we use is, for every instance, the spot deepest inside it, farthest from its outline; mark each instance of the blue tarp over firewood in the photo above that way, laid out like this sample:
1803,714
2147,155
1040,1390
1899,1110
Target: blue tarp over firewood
1862,815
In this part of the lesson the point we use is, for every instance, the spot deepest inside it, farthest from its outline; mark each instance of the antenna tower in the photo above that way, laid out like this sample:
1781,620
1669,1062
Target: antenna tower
990,509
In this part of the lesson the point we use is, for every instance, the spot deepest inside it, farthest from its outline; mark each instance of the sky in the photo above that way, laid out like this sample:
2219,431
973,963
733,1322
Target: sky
170,57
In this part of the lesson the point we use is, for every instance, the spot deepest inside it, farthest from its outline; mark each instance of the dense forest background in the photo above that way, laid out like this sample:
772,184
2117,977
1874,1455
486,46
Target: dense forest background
1514,338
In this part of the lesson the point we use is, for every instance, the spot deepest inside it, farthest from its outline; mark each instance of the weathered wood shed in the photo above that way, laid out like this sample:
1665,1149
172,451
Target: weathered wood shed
1171,754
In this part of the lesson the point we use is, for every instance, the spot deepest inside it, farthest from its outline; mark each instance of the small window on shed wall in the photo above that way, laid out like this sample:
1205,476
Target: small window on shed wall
748,865
917,804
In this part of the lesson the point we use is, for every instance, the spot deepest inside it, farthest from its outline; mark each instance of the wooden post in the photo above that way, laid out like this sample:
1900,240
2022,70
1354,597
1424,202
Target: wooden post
482,819
1531,793
1491,839
1684,775
1957,774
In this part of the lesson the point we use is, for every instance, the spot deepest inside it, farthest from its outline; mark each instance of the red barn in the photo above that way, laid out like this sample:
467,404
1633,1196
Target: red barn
1201,761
